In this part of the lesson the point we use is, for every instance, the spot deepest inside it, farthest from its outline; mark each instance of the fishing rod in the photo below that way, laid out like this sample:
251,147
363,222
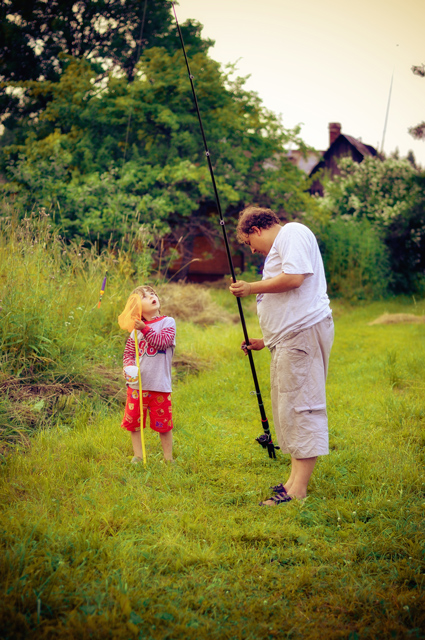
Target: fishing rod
265,440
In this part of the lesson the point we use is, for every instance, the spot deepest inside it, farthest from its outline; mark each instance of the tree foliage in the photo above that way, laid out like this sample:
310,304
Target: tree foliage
35,34
105,152
418,131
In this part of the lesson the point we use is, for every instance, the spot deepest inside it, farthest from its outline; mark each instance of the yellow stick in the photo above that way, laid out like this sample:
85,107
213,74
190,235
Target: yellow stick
136,342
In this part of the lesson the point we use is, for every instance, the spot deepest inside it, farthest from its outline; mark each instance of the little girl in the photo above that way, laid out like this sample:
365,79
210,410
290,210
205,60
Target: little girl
156,339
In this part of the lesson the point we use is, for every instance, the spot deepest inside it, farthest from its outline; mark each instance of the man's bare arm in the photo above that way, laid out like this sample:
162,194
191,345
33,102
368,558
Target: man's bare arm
278,284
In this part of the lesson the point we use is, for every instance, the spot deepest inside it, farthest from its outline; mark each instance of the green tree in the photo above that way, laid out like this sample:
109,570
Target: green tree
35,34
103,154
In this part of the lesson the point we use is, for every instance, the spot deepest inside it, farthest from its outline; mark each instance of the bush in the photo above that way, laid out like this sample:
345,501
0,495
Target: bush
356,260
405,239
390,195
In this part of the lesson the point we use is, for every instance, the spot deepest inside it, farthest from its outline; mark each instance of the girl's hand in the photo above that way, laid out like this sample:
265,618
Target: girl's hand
139,324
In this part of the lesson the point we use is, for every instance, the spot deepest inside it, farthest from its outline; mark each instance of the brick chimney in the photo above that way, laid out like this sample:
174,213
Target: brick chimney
334,131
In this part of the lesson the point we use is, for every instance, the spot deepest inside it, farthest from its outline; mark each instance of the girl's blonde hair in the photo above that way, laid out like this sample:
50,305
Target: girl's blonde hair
133,307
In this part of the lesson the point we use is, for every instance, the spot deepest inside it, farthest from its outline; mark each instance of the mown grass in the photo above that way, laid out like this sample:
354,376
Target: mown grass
93,547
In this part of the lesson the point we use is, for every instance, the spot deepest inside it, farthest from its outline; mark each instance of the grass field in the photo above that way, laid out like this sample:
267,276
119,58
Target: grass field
93,547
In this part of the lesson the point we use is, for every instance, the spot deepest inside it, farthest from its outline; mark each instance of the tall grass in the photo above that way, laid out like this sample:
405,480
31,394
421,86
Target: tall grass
57,348
94,547
49,299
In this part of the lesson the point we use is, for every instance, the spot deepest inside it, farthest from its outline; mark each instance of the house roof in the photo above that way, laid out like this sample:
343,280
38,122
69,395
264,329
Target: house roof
365,150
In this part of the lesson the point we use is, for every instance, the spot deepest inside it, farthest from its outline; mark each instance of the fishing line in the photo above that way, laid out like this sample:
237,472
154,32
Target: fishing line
265,440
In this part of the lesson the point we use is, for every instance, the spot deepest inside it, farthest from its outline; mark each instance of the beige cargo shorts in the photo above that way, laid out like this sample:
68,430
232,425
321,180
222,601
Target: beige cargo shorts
298,370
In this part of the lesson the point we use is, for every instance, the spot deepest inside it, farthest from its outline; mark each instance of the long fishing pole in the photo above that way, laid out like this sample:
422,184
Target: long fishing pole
265,439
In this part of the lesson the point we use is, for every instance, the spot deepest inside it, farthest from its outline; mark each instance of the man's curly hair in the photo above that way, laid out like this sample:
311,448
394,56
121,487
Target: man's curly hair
255,217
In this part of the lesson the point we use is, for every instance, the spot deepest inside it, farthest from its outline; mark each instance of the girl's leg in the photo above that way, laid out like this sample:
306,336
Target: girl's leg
136,436
136,441
167,445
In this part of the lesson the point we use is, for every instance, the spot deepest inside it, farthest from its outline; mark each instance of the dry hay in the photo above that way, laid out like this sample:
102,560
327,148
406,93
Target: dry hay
398,318
28,391
187,363
193,303
26,404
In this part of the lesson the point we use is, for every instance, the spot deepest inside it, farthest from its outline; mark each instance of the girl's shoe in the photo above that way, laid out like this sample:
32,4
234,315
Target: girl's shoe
136,460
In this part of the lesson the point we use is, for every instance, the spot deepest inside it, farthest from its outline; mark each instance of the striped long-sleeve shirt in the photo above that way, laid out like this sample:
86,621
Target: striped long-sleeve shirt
156,348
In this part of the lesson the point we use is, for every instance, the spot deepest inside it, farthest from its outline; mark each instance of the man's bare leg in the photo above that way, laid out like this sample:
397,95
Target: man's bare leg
303,470
290,481
297,483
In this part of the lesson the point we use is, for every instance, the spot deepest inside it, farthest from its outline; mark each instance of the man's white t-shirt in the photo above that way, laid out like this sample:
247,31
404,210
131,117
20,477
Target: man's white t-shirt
294,251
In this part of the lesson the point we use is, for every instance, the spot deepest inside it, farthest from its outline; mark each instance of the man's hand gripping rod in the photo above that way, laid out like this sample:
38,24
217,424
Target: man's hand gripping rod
265,440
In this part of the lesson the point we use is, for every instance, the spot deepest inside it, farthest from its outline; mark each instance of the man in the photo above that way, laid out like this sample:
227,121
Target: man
297,326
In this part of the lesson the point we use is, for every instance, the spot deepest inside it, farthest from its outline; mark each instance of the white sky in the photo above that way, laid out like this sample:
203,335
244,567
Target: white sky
321,61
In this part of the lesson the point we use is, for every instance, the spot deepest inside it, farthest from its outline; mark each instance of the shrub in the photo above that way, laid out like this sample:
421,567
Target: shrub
390,194
356,260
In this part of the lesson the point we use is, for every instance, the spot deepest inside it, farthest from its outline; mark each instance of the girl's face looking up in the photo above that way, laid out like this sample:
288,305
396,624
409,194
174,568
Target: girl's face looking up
150,304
